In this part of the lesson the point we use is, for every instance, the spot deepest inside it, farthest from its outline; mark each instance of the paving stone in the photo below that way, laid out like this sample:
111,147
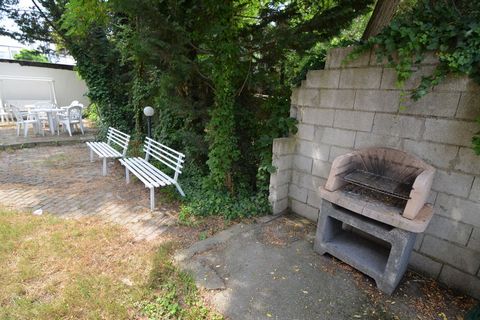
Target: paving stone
42,178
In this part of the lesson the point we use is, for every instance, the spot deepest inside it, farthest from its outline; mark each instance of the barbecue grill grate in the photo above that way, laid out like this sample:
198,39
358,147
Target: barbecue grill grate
379,183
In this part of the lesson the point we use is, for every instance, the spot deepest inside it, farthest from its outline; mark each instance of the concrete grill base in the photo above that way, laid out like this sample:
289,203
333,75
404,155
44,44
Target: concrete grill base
383,254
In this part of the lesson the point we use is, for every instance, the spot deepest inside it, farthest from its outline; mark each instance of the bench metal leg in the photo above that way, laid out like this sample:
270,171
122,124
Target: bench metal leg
127,174
152,198
180,189
91,155
104,170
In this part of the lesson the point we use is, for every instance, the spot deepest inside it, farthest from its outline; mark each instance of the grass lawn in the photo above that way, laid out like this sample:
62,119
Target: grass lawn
53,268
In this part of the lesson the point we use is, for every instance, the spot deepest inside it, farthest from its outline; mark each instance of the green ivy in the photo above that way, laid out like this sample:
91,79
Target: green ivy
449,29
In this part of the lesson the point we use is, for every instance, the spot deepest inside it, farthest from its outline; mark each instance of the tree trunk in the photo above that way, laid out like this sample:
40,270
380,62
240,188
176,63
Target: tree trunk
381,17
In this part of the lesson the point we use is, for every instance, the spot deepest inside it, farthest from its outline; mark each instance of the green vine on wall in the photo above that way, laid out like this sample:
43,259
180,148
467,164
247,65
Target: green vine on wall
450,29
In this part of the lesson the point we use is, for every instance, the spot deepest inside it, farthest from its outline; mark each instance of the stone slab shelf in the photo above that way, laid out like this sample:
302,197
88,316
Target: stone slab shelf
382,255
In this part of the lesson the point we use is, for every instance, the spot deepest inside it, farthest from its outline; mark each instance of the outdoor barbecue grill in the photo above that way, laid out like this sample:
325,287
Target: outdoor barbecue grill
382,193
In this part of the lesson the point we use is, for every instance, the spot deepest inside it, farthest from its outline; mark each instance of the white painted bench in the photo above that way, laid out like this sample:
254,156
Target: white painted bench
107,150
150,175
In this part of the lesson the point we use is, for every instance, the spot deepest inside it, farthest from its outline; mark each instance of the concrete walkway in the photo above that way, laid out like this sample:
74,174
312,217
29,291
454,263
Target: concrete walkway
9,138
270,271
61,180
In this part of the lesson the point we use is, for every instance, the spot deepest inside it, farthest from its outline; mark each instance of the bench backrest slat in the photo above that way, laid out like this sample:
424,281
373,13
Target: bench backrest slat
119,138
168,156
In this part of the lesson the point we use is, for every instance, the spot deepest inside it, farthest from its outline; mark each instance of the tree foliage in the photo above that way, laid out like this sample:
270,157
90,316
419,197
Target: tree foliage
30,55
218,73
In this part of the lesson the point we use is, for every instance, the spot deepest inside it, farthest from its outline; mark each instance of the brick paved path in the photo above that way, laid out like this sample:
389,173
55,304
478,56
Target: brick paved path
62,181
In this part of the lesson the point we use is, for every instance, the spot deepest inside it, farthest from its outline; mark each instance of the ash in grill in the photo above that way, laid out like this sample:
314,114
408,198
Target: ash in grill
386,177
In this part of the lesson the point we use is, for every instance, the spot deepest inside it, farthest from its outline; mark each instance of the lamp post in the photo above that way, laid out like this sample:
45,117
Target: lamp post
148,112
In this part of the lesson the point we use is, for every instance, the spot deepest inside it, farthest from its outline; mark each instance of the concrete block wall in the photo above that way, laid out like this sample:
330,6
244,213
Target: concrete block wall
357,105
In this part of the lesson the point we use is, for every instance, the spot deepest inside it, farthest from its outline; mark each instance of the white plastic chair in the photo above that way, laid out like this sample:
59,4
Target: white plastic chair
24,122
71,117
4,114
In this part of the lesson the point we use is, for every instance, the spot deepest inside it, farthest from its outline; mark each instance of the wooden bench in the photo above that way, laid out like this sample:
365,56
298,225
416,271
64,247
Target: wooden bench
150,175
115,138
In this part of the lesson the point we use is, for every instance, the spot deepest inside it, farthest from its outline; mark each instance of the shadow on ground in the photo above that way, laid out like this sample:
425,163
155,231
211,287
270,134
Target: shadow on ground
270,271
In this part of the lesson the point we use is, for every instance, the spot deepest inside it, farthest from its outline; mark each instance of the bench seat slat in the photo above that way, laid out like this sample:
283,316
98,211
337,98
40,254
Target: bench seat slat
141,172
133,169
103,150
157,173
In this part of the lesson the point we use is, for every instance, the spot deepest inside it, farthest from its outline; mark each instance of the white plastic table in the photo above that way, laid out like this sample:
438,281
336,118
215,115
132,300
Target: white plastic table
51,113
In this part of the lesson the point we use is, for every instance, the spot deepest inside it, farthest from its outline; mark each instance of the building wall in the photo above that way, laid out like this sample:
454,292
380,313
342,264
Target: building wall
357,105
68,85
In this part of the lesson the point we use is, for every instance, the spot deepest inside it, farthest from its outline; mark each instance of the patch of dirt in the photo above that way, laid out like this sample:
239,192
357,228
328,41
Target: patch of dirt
285,230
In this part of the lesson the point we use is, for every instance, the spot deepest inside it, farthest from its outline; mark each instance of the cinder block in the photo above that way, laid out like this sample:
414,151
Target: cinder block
302,163
294,96
418,242
307,180
364,140
377,100
475,192
396,125
314,199
439,155
450,131
459,280
439,104
313,150
294,112
308,97
389,78
323,78
457,83
279,206
339,137
452,183
297,193
278,193
458,209
425,265
318,134
361,78
354,120
457,256
280,177
305,131
337,99
450,230
468,161
304,210
319,117
336,58
474,241
283,146
321,168
337,151
282,163
468,106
